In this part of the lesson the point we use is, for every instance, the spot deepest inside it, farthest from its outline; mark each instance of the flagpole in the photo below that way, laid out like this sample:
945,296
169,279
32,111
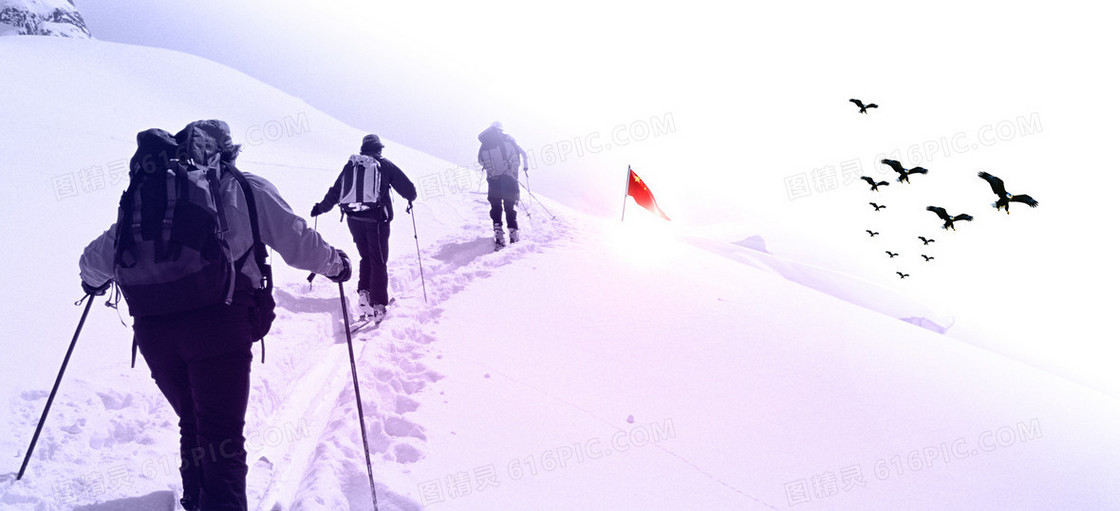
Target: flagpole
626,194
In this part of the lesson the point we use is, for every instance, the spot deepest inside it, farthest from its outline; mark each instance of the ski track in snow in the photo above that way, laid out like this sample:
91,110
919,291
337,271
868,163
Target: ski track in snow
303,441
330,473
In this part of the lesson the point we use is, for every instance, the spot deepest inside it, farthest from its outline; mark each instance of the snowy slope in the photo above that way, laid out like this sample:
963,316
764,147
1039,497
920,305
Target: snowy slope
741,387
593,366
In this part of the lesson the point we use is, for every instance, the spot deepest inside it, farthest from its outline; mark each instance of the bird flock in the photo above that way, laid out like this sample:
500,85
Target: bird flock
948,220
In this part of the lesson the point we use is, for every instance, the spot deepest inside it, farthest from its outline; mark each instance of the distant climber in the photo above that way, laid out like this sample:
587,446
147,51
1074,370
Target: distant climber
500,156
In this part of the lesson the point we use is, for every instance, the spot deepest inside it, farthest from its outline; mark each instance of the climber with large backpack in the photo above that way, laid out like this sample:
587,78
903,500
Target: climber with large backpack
188,254
361,191
499,156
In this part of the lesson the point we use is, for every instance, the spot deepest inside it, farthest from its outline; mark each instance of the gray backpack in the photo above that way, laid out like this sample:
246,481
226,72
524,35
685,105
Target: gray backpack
171,252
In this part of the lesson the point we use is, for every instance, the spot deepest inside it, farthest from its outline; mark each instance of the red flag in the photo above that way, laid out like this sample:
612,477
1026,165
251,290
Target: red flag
641,194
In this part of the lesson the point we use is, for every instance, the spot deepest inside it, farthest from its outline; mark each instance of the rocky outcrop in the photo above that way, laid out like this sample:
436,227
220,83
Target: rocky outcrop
42,17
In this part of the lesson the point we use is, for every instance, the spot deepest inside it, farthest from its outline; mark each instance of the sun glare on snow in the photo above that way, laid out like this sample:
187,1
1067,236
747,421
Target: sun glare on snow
643,239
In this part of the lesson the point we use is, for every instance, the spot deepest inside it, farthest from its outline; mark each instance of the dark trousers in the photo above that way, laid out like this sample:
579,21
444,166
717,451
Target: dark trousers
372,239
200,360
496,208
503,193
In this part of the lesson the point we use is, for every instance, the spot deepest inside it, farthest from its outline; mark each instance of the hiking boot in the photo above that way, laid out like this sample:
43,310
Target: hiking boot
499,236
513,236
365,308
377,312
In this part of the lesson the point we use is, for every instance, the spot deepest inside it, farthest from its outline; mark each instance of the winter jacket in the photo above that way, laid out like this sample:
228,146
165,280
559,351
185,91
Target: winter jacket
499,154
280,229
391,175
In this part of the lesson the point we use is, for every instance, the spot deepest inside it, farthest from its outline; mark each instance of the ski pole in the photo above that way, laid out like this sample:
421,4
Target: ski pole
419,262
481,179
539,202
57,381
312,276
357,391
525,209
530,190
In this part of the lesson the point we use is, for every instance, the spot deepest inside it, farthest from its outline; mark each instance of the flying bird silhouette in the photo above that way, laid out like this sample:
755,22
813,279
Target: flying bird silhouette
1005,198
874,186
862,108
873,234
876,206
927,258
902,275
949,219
926,241
903,174
892,254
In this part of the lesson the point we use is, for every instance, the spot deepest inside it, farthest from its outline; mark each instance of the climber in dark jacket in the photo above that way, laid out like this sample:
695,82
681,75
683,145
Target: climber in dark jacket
362,191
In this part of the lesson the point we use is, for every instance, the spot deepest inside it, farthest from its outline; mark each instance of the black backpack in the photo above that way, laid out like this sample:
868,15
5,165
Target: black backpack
171,252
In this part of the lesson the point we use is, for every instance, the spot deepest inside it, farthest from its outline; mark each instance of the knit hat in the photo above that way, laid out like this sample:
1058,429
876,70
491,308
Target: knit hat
371,144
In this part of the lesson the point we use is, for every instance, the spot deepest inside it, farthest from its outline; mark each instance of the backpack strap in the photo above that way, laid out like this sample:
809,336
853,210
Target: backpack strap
223,224
126,232
171,186
258,249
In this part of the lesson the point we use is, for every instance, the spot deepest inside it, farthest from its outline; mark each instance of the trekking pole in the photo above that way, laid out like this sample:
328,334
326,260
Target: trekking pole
312,276
357,391
57,381
419,262
525,209
528,189
539,202
481,179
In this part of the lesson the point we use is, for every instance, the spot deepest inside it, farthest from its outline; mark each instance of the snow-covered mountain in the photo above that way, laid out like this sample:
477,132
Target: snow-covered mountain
592,366
42,17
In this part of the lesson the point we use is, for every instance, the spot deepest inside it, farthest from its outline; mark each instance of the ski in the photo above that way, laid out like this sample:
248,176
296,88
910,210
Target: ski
359,323
365,320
